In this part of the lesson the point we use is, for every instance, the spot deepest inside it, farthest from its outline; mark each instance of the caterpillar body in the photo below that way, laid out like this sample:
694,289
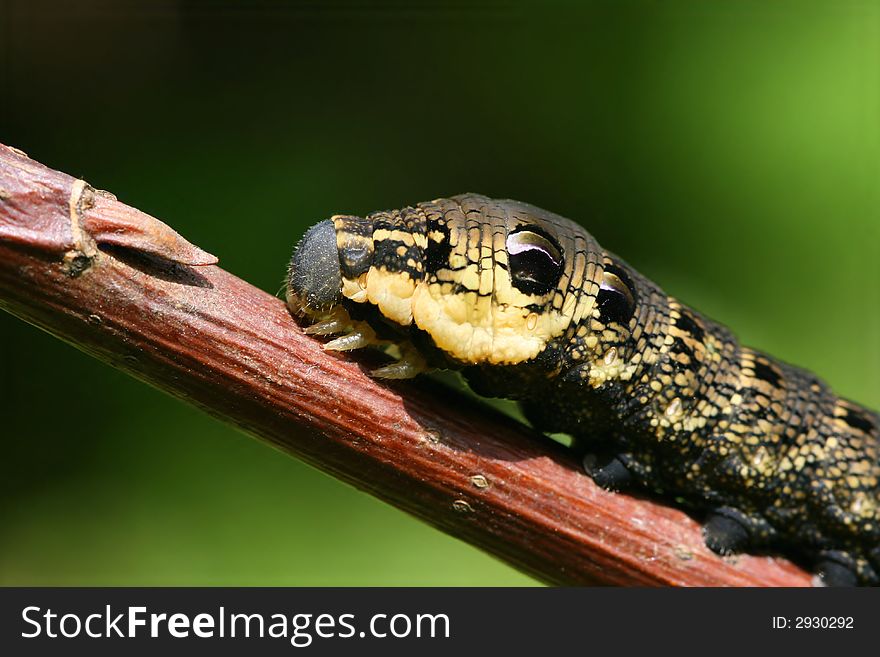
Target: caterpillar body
528,306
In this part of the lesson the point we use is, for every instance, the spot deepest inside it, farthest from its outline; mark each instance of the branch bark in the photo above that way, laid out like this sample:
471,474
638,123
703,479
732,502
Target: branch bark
124,287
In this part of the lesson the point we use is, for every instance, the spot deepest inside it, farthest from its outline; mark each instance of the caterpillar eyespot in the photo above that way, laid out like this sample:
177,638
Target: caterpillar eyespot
616,300
528,306
535,263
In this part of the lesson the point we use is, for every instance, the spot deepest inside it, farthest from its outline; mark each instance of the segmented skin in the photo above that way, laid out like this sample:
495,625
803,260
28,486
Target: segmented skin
529,307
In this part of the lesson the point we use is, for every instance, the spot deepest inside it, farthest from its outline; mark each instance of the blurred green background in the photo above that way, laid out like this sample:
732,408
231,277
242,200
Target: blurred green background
729,150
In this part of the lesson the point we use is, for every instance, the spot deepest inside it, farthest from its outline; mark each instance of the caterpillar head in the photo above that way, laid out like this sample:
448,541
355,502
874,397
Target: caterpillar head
488,281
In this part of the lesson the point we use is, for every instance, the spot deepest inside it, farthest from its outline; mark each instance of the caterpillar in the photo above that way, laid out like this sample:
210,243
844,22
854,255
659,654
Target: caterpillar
529,307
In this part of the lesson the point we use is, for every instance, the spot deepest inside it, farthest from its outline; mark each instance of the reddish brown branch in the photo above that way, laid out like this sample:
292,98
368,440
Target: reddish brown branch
127,289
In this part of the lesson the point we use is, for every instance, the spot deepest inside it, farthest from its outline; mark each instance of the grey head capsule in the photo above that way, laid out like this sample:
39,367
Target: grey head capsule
314,278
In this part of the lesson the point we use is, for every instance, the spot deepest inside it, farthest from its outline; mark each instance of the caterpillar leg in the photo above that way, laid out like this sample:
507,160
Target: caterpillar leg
352,334
609,472
355,334
409,365
728,530
831,573
725,535
874,559
835,568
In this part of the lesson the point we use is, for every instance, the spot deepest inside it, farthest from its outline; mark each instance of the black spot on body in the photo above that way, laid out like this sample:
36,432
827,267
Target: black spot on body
686,322
437,253
768,374
858,421
679,347
386,255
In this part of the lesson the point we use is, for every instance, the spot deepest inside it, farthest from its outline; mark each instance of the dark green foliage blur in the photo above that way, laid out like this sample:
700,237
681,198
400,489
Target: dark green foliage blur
729,150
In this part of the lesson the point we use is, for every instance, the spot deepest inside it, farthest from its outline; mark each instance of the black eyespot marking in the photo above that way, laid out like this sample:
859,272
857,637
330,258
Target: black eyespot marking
616,300
679,347
768,374
858,421
535,260
687,324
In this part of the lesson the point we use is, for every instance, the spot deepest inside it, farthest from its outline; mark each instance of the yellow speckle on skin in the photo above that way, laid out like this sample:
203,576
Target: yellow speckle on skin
674,408
610,356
